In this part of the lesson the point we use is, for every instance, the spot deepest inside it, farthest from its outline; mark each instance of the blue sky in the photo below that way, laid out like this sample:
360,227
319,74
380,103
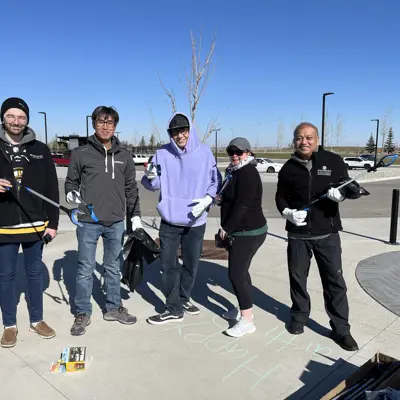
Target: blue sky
273,60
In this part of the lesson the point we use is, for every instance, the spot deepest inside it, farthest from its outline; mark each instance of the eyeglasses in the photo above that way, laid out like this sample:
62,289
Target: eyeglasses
11,118
109,123
232,152
177,131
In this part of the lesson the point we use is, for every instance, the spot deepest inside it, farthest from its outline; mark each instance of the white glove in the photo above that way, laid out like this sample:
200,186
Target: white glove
201,205
74,197
151,171
136,223
295,217
335,195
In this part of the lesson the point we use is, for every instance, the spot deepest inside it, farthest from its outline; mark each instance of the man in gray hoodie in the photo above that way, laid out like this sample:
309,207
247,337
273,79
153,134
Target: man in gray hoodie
103,174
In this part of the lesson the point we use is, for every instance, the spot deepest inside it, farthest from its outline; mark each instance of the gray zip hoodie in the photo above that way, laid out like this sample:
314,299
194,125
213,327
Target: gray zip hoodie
106,179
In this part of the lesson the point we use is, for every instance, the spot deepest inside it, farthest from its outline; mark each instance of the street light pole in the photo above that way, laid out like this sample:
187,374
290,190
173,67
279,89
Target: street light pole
376,141
87,125
45,124
323,117
216,147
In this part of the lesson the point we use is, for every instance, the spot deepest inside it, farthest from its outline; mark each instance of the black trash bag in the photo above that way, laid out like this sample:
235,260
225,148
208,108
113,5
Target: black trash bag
352,191
139,246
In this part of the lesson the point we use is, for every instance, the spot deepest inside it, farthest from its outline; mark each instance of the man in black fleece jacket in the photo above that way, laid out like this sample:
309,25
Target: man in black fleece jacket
102,173
305,177
24,218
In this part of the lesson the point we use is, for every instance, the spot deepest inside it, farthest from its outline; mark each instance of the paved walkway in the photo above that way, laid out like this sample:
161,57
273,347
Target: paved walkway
195,359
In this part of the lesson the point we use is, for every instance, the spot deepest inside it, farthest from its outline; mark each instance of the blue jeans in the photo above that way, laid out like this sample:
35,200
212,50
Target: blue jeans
8,272
88,236
178,280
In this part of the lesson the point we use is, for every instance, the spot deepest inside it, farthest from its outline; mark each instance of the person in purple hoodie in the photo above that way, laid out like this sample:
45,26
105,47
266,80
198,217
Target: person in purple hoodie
185,173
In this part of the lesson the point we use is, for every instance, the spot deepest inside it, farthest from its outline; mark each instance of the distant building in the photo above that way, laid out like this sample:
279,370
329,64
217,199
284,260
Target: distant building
72,141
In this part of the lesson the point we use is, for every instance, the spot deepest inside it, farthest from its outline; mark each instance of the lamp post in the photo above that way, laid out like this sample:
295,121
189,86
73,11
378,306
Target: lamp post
216,147
45,124
117,133
87,125
376,140
323,117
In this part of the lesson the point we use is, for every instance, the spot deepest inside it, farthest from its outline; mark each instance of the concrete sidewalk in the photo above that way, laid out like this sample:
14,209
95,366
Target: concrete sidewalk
195,359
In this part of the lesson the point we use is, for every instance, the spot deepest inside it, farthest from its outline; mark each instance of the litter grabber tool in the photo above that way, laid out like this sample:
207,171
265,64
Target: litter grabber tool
72,213
89,208
385,161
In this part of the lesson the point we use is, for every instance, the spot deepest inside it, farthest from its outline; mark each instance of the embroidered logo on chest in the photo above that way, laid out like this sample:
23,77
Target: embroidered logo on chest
324,171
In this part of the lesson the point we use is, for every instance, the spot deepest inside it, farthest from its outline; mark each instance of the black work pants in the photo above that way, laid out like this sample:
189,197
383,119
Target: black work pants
241,253
328,255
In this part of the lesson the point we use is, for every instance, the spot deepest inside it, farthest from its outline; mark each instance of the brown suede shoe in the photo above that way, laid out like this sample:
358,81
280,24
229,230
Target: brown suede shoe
9,338
43,330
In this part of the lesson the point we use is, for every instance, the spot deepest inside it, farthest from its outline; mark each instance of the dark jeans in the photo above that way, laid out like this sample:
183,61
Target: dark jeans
328,255
8,272
113,237
241,253
178,279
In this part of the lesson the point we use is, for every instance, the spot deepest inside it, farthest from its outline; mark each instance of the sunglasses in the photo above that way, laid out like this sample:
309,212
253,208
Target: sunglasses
232,152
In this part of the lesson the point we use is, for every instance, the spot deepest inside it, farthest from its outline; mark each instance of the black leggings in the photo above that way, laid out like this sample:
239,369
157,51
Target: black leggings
241,253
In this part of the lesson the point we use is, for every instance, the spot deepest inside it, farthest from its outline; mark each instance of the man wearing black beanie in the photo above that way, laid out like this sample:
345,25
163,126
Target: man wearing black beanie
24,218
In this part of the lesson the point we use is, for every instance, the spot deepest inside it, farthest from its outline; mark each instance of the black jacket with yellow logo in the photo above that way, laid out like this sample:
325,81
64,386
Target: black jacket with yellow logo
23,216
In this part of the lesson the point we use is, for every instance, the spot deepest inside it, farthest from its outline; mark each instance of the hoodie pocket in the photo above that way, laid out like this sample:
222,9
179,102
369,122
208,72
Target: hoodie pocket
176,211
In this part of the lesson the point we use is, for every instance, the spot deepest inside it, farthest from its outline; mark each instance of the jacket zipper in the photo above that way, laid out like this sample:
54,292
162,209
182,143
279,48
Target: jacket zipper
18,187
309,199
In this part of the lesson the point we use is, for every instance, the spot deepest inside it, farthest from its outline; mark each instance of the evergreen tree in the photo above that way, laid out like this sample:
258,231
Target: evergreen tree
370,146
152,141
389,145
142,143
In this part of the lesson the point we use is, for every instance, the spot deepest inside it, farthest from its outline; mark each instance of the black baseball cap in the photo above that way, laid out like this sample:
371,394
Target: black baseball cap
178,121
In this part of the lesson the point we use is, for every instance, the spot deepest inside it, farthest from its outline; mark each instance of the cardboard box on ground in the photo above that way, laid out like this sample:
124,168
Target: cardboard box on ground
380,372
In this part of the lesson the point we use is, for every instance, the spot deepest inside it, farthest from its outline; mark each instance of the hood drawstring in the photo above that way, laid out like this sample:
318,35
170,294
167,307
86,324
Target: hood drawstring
112,158
112,163
105,160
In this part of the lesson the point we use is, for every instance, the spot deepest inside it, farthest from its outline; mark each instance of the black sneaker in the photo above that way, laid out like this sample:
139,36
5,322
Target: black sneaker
80,324
164,318
121,315
295,327
190,308
346,342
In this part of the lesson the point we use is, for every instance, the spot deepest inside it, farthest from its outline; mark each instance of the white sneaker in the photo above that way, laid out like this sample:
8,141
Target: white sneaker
233,314
243,327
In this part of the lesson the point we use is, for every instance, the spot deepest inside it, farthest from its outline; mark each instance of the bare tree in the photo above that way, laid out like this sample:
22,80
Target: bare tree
280,135
156,132
339,130
170,94
197,80
328,132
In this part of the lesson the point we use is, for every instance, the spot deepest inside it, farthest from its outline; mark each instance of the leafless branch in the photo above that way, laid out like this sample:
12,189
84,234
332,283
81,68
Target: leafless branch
155,127
170,94
213,126
199,75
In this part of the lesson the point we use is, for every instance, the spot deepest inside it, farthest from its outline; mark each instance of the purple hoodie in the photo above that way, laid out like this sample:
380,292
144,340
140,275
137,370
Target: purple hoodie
185,175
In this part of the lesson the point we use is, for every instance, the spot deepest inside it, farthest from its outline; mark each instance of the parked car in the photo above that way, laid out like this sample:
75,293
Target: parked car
140,159
148,162
357,162
369,157
267,165
62,160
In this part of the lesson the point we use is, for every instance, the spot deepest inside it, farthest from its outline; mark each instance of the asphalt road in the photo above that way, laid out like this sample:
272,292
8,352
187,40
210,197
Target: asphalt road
377,204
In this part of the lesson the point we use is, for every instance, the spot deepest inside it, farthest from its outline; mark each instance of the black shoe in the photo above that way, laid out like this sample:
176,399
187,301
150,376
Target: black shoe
164,318
346,342
295,327
190,308
121,315
80,324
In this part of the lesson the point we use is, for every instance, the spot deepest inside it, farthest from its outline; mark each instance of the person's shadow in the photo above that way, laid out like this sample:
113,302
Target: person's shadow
211,274
65,269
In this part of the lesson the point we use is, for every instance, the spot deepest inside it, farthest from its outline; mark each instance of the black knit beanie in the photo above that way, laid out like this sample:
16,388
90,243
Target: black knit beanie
14,102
